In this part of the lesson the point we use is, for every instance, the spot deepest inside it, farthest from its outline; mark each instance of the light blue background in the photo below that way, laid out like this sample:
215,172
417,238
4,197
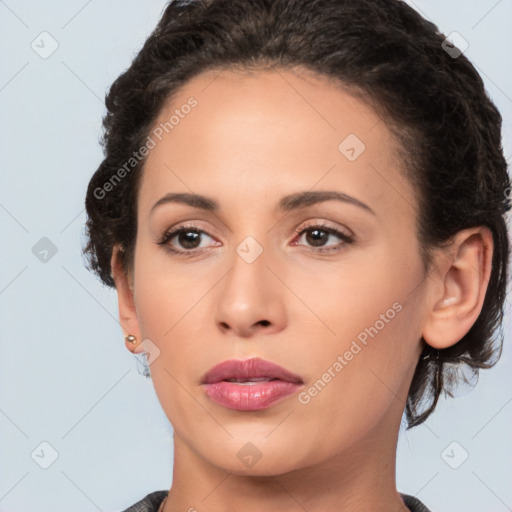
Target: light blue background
65,375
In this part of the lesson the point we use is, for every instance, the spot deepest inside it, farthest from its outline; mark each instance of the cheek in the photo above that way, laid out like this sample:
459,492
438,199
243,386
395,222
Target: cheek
366,331
343,300
164,293
174,311
355,381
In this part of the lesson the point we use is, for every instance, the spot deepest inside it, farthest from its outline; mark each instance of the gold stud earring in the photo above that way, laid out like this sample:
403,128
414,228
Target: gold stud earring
130,338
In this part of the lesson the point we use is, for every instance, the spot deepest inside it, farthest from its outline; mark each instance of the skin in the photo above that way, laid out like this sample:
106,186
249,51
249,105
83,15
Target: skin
251,139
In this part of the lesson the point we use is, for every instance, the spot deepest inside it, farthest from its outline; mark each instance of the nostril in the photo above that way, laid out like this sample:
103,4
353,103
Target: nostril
264,322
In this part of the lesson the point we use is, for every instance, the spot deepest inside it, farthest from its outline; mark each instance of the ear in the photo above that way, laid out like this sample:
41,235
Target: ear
124,287
458,286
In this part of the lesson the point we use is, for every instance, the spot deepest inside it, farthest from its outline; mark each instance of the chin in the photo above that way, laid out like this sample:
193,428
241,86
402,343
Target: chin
255,458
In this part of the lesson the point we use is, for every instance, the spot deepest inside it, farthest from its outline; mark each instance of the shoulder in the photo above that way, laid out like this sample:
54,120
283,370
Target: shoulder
150,503
413,504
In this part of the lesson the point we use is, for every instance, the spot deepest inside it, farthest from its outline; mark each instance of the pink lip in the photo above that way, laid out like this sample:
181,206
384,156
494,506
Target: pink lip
249,397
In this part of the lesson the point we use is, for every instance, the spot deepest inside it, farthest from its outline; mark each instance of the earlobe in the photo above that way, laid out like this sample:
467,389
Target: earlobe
459,288
125,296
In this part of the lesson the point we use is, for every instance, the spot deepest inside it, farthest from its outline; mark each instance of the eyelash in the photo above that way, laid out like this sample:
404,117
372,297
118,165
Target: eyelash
164,241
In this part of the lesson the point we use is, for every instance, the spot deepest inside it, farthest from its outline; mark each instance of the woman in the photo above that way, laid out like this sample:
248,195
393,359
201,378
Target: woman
301,207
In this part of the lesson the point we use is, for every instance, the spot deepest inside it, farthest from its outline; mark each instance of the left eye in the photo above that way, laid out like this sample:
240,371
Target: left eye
318,236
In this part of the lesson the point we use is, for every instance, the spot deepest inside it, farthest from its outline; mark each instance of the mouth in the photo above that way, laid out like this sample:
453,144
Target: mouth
250,384
249,371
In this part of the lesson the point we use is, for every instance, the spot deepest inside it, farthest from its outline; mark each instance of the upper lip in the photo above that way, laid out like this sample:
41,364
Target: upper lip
246,369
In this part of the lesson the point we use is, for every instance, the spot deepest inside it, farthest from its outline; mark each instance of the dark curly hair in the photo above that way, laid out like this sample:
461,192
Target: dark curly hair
383,51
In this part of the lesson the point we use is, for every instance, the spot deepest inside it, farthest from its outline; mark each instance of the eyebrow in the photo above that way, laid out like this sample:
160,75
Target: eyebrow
287,203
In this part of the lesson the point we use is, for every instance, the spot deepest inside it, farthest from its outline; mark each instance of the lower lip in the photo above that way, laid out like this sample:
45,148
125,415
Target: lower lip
250,397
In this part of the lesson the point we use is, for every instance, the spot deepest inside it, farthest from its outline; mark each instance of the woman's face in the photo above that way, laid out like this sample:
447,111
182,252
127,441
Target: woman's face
329,287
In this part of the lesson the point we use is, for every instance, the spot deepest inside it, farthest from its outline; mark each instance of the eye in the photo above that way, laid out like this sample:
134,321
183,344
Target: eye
190,240
318,235
187,238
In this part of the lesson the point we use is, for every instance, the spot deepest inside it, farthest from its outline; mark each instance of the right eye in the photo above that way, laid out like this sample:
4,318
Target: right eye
188,237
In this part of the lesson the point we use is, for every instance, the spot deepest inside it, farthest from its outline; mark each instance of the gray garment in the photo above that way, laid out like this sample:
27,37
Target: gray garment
152,501
148,504
414,504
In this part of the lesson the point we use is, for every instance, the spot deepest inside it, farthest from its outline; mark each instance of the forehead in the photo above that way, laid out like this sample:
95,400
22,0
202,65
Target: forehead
259,131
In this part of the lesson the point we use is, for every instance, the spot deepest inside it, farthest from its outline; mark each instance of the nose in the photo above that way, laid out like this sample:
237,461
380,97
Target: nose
250,299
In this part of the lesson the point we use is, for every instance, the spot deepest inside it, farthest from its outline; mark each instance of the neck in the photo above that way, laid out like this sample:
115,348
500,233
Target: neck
359,479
